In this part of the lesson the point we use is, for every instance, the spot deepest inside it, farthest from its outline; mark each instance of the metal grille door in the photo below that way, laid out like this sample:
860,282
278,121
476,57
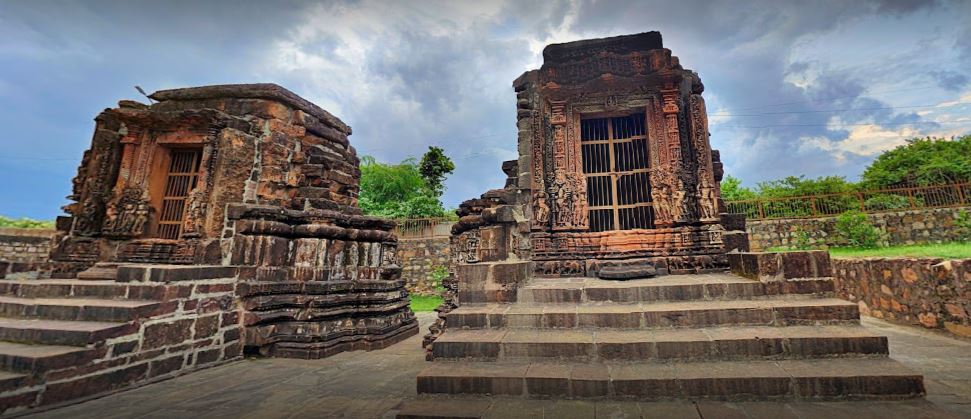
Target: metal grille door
181,179
615,165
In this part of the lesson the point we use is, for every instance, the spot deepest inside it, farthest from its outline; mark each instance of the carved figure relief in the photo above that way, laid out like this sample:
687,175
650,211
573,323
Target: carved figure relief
472,249
541,209
128,215
707,194
195,213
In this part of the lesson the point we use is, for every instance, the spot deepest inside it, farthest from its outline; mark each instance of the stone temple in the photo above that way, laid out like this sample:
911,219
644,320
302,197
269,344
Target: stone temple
217,221
220,221
601,269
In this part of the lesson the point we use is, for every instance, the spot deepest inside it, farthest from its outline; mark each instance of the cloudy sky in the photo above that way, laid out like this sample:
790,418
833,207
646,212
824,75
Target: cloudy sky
792,88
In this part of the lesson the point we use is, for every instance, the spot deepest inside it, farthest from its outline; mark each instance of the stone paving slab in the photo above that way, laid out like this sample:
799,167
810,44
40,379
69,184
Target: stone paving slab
377,385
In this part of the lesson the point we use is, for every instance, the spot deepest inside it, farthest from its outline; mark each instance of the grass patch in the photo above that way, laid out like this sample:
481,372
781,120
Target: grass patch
421,303
946,250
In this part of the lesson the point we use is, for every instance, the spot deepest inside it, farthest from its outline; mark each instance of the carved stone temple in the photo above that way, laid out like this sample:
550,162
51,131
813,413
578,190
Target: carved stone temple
615,159
215,221
601,269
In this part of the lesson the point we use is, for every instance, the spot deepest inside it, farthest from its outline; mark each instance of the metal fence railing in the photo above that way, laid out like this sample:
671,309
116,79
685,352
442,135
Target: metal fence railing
869,201
416,228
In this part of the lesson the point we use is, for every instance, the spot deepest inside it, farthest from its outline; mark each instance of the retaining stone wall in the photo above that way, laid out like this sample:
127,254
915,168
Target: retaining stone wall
933,293
25,248
418,258
905,227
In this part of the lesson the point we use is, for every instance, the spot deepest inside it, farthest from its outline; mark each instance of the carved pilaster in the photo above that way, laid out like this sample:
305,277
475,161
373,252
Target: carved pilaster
707,186
677,195
567,191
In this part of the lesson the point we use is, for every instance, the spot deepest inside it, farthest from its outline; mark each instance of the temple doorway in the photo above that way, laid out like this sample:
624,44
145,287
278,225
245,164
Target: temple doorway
615,164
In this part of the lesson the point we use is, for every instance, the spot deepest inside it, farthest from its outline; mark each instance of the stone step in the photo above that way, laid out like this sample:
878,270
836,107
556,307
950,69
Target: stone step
814,379
775,311
26,358
725,343
503,407
666,288
102,289
59,332
101,271
12,381
84,309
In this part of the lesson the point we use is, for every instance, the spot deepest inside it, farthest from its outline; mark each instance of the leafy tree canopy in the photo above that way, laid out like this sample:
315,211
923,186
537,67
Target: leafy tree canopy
434,167
922,161
732,190
801,186
407,189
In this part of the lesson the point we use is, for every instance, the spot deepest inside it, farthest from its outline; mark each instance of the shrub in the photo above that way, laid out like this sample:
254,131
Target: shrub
438,274
884,202
24,223
855,227
803,241
962,226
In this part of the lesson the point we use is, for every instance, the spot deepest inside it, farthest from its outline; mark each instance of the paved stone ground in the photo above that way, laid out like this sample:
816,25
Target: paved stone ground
374,384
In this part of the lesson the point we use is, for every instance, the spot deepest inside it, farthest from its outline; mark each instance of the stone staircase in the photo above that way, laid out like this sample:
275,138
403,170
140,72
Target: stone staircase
64,339
705,336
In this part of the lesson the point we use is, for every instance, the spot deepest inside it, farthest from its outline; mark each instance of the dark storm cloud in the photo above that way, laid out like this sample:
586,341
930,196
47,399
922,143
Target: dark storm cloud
407,75
742,53
950,80
63,62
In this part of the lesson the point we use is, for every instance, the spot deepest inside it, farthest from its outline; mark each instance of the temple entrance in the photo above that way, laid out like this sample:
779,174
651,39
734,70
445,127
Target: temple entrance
180,180
615,164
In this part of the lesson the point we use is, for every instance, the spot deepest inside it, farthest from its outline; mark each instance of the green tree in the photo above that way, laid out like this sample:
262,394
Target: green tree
801,186
922,161
403,190
732,190
434,168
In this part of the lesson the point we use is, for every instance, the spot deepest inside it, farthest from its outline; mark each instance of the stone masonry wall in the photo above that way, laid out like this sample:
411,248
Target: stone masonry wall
933,293
25,244
904,227
185,321
418,258
25,248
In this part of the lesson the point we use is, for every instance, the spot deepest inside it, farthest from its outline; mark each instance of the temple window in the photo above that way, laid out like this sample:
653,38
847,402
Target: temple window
183,173
615,164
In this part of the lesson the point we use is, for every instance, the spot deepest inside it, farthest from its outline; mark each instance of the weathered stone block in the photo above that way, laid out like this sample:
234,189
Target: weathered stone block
206,326
164,334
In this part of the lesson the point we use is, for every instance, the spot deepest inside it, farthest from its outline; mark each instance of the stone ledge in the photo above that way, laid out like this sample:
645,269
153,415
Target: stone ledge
267,91
173,273
780,266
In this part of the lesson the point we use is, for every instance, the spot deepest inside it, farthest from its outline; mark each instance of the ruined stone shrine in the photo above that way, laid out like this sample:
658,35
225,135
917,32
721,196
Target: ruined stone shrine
601,269
216,221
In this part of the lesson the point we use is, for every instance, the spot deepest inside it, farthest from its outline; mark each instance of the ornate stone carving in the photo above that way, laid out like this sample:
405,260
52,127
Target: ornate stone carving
128,216
541,209
707,186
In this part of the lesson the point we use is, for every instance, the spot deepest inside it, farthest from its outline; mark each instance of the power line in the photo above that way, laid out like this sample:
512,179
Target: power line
842,110
834,98
839,125
34,158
